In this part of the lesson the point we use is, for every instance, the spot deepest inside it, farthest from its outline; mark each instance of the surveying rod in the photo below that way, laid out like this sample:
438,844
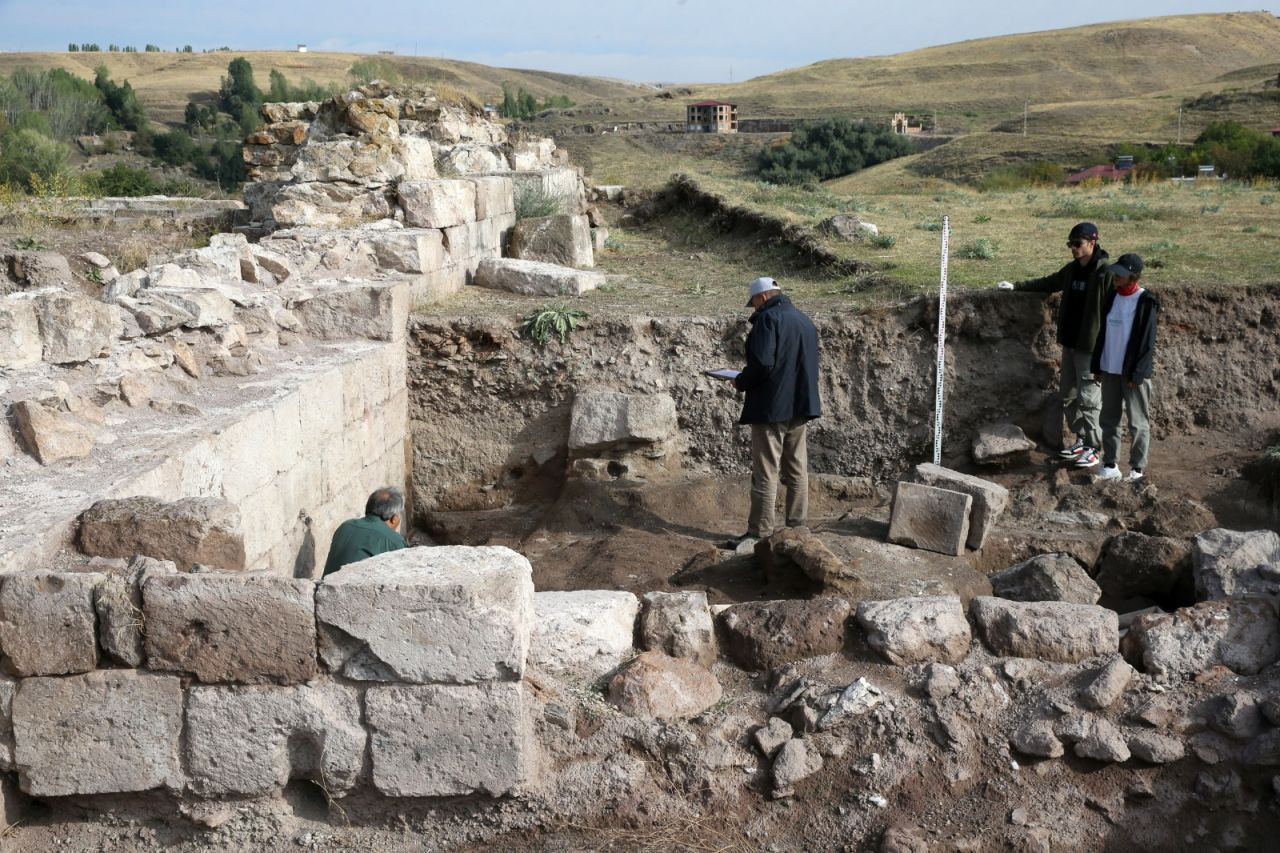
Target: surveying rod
942,347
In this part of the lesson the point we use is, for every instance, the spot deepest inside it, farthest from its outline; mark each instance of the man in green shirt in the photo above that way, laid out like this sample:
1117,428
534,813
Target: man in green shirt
359,538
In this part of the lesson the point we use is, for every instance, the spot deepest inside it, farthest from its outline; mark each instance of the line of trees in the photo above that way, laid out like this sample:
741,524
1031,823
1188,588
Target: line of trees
1231,148
92,47
521,104
827,149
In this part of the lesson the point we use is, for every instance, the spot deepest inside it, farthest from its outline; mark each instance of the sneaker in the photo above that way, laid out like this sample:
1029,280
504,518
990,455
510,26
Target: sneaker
1111,472
1135,474
1073,451
1086,459
738,541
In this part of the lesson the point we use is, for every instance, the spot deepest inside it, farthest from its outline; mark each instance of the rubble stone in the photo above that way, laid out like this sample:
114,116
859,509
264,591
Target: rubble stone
1047,577
1037,740
795,761
916,630
989,499
679,624
584,634
39,268
656,686
439,203
1231,562
1001,444
1263,751
1108,685
760,635
931,518
1047,630
20,344
1241,633
561,239
1236,715
1096,738
604,419
51,436
534,278
186,531
1155,748
772,735
75,328
1134,564
795,548
118,603
47,623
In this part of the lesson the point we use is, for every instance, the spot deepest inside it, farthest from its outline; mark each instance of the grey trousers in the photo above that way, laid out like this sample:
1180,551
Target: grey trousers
1081,396
778,450
1136,403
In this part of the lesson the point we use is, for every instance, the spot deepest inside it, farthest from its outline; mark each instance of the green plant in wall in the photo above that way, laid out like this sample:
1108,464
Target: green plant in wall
555,319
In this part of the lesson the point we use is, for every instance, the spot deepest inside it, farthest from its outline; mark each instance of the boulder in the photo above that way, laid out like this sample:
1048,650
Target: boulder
1232,562
51,436
585,634
20,344
760,635
656,686
1048,577
1134,564
989,499
679,624
796,760
375,310
450,614
930,518
604,420
1107,685
47,623
439,203
1241,633
1178,517
75,328
1001,444
534,278
846,226
105,732
562,239
1047,630
38,268
907,631
186,531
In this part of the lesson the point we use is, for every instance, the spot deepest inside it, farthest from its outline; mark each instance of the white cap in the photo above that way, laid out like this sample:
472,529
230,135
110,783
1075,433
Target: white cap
764,284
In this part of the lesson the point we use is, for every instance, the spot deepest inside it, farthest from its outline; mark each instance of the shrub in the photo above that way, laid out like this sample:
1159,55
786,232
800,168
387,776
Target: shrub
26,154
1039,173
829,149
122,101
555,319
123,180
533,201
981,249
365,71
883,241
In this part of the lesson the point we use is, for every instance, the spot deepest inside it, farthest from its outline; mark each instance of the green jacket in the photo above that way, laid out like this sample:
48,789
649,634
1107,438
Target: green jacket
361,538
1098,285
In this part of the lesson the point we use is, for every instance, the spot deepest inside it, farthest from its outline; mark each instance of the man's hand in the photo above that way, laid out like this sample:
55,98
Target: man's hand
1133,385
1004,285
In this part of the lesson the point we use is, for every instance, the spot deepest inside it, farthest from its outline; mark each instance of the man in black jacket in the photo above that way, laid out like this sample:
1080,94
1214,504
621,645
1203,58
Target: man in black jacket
781,386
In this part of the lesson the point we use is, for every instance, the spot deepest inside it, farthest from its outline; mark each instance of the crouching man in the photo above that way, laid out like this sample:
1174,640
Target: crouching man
360,538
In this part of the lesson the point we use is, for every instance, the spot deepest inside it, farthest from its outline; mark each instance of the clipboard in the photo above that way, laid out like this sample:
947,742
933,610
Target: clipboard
722,373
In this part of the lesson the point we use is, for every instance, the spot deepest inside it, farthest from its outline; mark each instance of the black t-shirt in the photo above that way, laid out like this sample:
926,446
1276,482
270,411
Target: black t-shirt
1073,304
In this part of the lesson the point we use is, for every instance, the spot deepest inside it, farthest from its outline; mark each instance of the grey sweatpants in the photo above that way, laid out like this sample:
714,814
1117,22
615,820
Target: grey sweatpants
1136,403
778,449
1081,396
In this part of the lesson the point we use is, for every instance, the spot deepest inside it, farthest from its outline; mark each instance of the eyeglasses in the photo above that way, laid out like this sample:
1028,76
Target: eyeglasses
1076,244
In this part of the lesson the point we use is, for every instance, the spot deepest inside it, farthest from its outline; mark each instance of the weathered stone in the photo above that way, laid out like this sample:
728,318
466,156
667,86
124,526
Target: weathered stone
1155,748
1236,715
763,634
7,688
1134,564
428,615
1107,686
448,740
75,328
105,732
562,239
585,634
209,308
1001,444
252,741
437,203
795,761
795,549
1231,562
51,436
772,735
656,686
273,262
1094,738
916,630
1241,633
1048,577
409,250
20,344
329,204
186,531
989,499
38,268
604,420
679,624
495,196
118,603
931,518
47,624
231,628
1037,740
354,161
1047,630
154,314
599,239
845,226
534,278
96,259
372,310
1178,517
854,700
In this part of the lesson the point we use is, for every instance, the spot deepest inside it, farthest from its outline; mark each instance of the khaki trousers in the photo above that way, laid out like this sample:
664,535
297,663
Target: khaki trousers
778,450
1136,403
1081,396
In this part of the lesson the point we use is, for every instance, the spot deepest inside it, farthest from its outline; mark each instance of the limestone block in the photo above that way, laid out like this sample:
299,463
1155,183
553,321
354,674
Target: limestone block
373,310
495,196
564,239
599,237
173,276
329,204
417,156
105,732
584,634
656,686
249,459
604,420
47,623
51,436
428,615
473,159
273,262
186,531
359,161
75,328
252,741
532,277
679,624
930,518
118,603
1047,630
41,269
469,242
1232,562
154,314
208,308
20,344
1001,444
1241,633
532,153
1047,577
449,740
440,203
989,499
411,250
231,628
916,630
557,182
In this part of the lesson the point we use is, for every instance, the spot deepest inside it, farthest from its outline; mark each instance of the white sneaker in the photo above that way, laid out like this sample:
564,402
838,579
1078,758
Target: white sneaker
1111,472
1135,474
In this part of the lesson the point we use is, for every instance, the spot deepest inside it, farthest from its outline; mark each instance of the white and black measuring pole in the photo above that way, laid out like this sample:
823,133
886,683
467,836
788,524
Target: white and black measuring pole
942,347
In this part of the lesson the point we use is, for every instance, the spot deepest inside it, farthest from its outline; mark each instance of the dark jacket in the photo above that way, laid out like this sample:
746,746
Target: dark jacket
1098,284
358,539
781,377
1140,354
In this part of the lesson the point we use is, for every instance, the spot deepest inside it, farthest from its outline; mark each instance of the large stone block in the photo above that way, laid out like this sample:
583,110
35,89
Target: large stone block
51,436
1241,633
562,239
75,328
532,277
374,310
20,344
354,161
585,634
252,741
237,628
1047,630
440,203
47,622
989,499
930,518
495,196
452,615
449,740
561,183
604,420
763,634
39,268
916,630
106,732
328,204
469,242
410,250
1232,562
186,531
679,624
1047,577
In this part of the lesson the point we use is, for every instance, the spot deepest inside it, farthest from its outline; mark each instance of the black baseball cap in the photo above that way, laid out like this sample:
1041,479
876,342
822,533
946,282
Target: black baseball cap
1084,231
1127,265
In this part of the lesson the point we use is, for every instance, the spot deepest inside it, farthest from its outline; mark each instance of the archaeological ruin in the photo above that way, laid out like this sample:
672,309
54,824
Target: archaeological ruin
990,653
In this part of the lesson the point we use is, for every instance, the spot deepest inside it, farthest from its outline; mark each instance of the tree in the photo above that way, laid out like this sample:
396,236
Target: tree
186,48
122,101
25,153
828,149
73,48
365,71
152,48
238,88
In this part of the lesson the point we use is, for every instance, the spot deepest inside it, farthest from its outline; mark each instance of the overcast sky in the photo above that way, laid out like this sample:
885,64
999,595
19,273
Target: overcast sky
658,40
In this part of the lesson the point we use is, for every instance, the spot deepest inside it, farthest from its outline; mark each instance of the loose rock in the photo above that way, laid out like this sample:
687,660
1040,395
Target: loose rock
655,686
1047,577
1047,630
186,531
762,635
679,624
916,630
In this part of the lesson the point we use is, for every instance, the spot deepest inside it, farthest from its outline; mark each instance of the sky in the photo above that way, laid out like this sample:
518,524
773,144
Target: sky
655,41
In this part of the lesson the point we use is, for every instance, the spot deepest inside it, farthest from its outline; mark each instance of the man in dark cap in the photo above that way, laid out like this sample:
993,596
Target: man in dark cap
1084,283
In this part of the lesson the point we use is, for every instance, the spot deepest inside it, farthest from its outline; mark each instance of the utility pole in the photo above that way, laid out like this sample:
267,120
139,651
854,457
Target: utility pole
1025,104
1179,125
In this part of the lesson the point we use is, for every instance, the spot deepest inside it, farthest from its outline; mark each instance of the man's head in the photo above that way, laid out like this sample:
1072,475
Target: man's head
761,291
387,504
1127,269
1082,240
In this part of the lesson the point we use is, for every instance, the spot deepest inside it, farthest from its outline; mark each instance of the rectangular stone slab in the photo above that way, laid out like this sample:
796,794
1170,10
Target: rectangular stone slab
47,622
1046,630
930,518
989,499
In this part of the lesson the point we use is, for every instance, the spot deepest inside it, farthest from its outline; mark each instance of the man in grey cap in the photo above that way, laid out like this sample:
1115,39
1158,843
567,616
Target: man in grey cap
781,386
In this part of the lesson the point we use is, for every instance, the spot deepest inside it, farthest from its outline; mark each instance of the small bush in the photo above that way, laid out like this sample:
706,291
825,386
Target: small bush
364,71
26,154
613,243
883,241
1251,229
981,249
1106,210
829,149
555,319
1040,173
981,218
929,226
533,202
122,180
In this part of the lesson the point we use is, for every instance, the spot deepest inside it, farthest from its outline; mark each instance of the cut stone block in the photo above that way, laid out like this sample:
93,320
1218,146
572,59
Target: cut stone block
562,239
532,277
252,741
118,602
989,499
495,196
930,518
47,622
186,531
604,420
7,688
1001,444
410,250
1241,633
585,634
448,740
453,615
74,327
1047,630
51,436
917,630
1232,562
337,311
679,624
231,628
20,344
440,203
106,732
